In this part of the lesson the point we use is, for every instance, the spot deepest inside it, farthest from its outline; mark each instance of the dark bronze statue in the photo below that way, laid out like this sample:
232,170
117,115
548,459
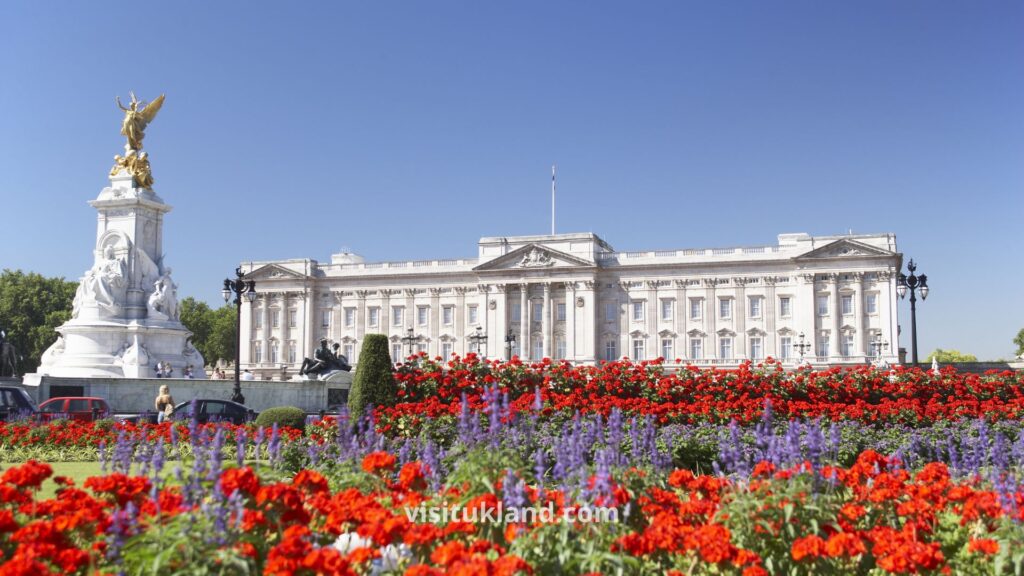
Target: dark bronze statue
324,361
8,356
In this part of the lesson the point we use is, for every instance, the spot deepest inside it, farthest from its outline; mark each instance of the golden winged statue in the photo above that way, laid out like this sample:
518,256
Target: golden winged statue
136,117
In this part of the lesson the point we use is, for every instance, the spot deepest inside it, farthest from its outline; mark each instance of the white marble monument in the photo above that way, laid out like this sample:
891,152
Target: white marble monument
125,317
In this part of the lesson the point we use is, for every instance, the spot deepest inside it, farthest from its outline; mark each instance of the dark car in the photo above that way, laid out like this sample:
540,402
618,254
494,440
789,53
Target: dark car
84,408
16,403
213,411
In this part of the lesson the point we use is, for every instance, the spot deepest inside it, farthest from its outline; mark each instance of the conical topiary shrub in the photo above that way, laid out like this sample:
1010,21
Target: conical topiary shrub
374,383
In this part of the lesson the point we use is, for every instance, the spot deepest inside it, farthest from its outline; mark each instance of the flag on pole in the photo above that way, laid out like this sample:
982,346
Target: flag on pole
552,199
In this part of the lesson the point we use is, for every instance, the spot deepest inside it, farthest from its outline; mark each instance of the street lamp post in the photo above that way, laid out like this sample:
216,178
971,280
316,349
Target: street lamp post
409,339
802,347
913,284
238,287
510,339
479,338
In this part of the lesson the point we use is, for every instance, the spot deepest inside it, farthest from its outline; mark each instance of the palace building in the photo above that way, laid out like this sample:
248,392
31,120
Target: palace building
829,300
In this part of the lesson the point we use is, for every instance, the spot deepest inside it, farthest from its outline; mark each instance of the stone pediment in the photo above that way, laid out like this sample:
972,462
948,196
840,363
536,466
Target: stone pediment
274,272
534,256
844,249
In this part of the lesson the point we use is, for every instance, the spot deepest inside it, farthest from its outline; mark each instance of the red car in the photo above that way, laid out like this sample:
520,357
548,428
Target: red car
86,409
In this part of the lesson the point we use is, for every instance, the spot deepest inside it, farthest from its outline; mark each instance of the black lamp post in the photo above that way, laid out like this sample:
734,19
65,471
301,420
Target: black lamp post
479,338
238,287
510,339
410,339
913,284
802,347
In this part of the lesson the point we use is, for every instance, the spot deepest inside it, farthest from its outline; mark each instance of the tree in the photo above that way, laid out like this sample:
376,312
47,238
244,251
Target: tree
950,356
374,383
31,308
213,331
1019,341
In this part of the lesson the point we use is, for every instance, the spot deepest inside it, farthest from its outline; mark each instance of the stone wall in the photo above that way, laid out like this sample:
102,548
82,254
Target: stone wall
135,395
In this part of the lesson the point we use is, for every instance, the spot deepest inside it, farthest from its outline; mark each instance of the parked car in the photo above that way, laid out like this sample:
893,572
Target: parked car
83,408
16,403
213,411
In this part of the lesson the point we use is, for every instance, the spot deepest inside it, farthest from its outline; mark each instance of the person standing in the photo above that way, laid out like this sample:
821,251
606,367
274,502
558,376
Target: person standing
164,404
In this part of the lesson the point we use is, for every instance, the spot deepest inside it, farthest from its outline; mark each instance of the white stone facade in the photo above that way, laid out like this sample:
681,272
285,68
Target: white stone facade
573,296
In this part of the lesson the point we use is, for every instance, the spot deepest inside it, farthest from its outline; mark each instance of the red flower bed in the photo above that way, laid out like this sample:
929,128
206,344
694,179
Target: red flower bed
907,396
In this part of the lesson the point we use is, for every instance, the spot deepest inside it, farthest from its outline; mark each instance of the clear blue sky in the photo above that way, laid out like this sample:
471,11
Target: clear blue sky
408,130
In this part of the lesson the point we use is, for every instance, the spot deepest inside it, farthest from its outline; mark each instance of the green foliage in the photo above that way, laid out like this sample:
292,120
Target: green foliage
282,416
31,307
374,382
213,331
1019,341
950,356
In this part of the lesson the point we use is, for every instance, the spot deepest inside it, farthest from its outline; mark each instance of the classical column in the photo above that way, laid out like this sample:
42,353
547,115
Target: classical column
770,310
337,319
524,321
460,321
545,321
681,313
360,327
384,317
500,324
310,339
434,348
483,318
837,312
588,346
742,308
858,314
265,352
888,321
570,321
711,317
805,311
625,321
653,346
245,328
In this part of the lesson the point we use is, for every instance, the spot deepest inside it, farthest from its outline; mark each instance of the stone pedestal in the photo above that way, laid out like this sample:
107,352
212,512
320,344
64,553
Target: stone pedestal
125,317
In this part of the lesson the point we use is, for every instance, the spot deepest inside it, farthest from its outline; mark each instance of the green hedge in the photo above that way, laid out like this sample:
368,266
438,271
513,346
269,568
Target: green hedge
374,383
282,416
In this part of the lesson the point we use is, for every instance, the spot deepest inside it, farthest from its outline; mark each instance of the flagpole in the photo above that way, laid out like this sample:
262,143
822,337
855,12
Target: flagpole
552,199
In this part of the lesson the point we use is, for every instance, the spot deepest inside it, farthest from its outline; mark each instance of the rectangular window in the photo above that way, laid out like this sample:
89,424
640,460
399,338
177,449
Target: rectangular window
785,307
538,349
847,344
667,351
610,350
349,352
725,347
291,353
822,305
259,319
421,348
696,307
517,312
785,348
756,348
293,317
560,347
538,312
847,303
471,313
446,350
823,346
273,352
696,349
871,303
611,311
638,349
725,308
374,319
447,315
666,309
325,318
560,312
275,318
257,353
755,307
422,315
397,315
396,352
350,317
638,310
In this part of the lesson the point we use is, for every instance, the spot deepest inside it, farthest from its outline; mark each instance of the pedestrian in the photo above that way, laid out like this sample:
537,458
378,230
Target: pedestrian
158,369
164,404
246,375
188,371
